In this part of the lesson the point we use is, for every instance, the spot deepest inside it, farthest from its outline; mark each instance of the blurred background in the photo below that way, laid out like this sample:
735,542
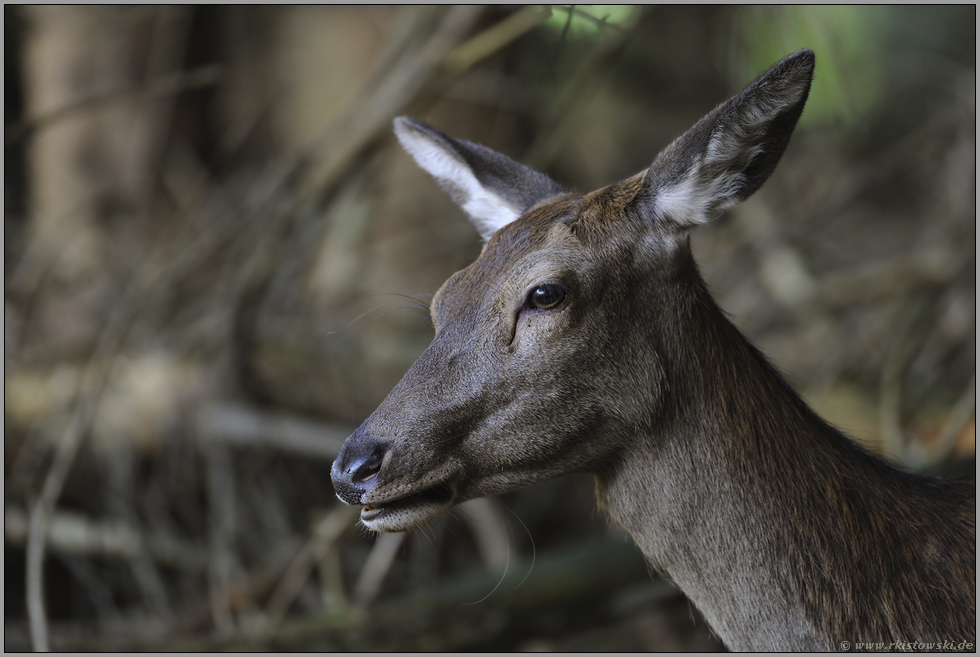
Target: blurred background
217,262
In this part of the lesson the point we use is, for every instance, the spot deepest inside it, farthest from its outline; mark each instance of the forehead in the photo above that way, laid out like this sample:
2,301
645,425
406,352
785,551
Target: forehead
539,229
530,232
589,220
570,223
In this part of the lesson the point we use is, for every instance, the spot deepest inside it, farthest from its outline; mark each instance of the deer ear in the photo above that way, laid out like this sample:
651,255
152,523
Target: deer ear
491,188
729,153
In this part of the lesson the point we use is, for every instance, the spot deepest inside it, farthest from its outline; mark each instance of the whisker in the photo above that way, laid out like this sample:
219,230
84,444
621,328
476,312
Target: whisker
502,576
415,303
534,550
414,300
361,316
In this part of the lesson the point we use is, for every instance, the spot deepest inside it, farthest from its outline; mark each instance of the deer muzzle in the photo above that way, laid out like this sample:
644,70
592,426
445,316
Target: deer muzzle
355,472
399,488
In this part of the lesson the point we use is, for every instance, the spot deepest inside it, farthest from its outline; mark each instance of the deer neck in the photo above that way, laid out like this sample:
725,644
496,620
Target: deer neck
708,492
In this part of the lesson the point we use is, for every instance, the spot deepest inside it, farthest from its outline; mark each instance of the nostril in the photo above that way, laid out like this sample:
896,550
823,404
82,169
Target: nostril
367,470
357,468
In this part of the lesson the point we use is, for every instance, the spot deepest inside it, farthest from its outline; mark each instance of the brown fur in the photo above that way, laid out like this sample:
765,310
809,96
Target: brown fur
785,533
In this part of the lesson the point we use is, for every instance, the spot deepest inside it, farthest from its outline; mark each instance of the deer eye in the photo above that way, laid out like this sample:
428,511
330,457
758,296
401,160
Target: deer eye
547,296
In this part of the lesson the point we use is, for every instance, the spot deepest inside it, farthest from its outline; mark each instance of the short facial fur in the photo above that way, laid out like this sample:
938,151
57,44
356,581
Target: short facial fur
583,339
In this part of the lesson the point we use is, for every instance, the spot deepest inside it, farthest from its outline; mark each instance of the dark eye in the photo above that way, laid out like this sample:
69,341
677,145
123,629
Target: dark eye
547,296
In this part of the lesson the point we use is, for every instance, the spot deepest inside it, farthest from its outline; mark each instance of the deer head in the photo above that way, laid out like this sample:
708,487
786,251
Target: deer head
559,345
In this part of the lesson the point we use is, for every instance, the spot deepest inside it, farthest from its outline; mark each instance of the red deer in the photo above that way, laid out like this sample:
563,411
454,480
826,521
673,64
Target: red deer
583,339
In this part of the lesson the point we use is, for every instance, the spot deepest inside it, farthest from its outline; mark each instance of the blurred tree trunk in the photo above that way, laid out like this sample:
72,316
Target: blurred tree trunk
90,171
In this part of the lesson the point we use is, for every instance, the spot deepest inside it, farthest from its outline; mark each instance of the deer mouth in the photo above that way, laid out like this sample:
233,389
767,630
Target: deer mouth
410,511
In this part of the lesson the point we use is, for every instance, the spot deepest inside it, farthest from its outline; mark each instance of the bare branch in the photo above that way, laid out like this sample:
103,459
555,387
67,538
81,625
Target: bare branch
919,458
489,531
221,513
376,568
325,534
241,426
166,85
370,117
484,44
76,534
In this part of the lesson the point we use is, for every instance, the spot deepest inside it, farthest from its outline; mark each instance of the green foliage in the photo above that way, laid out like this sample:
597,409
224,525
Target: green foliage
848,41
587,20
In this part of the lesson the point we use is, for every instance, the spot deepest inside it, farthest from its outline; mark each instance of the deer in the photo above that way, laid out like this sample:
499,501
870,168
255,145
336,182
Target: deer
583,339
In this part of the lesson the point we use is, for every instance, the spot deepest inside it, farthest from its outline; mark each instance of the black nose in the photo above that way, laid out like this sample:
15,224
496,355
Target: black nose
355,471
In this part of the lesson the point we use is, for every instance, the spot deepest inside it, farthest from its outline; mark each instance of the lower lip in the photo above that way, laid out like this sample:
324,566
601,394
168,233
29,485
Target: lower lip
369,513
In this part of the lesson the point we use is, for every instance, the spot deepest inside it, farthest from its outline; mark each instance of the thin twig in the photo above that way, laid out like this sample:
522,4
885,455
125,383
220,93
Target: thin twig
908,342
376,568
92,383
168,50
120,492
435,618
74,533
345,138
489,531
921,459
601,23
493,39
99,593
324,536
221,513
167,85
40,512
578,91
239,425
